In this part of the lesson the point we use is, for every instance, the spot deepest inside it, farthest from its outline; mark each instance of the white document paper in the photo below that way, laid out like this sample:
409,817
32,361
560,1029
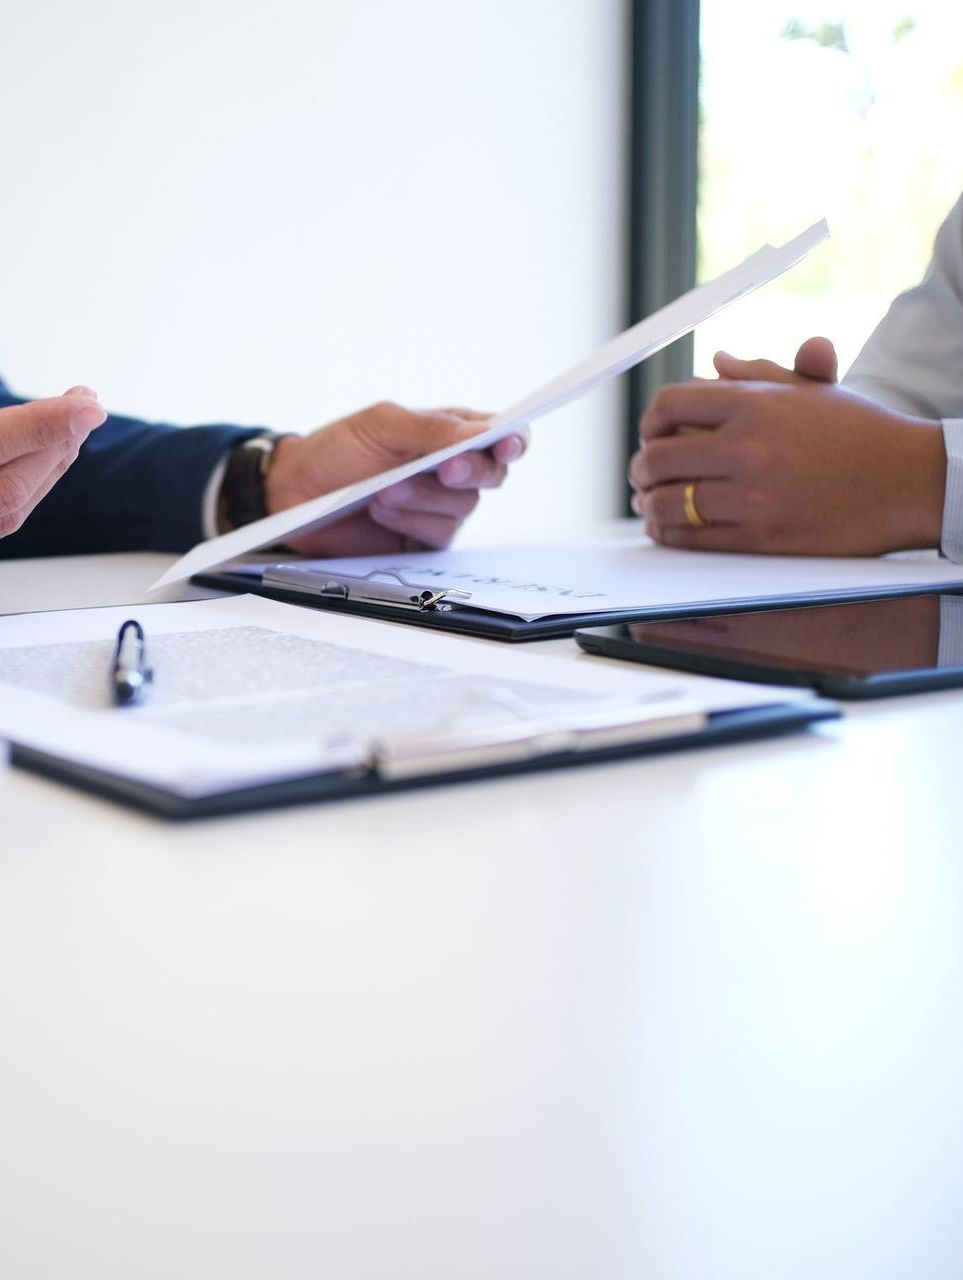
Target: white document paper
542,581
249,691
627,350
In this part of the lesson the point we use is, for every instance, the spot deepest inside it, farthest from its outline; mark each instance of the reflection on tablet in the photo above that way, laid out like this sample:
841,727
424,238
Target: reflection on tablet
860,639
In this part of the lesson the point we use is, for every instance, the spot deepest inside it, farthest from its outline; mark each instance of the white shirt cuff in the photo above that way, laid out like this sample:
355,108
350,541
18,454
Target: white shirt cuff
951,631
951,537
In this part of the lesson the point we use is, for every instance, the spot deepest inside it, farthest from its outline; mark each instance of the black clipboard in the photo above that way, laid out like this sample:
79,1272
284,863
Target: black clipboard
720,728
458,620
463,619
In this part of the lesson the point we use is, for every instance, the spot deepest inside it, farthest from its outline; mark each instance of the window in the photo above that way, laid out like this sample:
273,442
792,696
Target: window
855,113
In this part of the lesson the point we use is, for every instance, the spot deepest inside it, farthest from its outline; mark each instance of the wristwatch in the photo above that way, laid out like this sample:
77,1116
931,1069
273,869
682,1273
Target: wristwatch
242,490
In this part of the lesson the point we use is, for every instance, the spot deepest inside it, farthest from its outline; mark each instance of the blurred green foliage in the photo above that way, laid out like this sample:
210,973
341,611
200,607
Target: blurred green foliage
858,117
831,35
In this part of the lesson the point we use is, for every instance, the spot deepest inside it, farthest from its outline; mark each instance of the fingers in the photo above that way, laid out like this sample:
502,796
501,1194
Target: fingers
816,359
717,501
714,537
424,509
695,404
475,470
730,367
484,469
67,457
44,424
429,528
26,480
405,434
697,456
355,535
379,438
459,411
427,494
512,447
665,507
410,434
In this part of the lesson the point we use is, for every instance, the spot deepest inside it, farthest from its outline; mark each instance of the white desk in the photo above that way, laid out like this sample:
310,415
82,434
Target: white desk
698,1016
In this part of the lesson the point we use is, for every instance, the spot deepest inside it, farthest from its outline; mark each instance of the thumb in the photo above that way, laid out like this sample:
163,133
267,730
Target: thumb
404,434
359,446
816,359
43,424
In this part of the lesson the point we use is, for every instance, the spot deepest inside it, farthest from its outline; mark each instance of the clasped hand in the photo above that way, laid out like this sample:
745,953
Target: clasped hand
785,460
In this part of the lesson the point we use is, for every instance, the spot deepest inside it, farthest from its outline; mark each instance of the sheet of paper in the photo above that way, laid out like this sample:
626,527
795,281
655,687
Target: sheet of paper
621,353
249,691
541,581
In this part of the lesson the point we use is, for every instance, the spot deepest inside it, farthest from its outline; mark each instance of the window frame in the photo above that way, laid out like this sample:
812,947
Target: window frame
662,184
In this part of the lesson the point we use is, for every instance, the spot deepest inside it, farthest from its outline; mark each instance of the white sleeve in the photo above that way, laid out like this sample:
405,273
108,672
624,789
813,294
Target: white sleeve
913,361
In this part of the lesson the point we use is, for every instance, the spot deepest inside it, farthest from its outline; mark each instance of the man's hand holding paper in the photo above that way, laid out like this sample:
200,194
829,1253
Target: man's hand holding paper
425,510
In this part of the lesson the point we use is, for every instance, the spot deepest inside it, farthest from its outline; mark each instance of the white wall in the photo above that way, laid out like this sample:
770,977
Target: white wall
277,212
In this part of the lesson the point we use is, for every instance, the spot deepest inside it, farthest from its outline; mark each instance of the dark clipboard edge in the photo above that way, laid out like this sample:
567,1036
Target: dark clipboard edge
463,620
723,727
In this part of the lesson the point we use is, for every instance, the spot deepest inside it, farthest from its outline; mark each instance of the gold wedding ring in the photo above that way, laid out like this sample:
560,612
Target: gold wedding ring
692,513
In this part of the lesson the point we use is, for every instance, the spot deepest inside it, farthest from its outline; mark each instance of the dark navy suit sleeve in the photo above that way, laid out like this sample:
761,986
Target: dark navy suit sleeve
136,486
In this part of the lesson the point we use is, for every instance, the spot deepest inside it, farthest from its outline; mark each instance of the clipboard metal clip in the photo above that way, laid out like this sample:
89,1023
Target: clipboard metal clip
364,589
525,735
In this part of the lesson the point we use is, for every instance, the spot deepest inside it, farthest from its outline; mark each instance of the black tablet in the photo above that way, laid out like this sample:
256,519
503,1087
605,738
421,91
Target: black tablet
857,650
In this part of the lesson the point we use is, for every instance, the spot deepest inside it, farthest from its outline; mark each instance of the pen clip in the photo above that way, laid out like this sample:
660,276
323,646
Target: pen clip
364,589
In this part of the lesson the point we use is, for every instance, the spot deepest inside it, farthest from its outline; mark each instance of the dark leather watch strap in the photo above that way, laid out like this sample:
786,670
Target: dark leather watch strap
242,492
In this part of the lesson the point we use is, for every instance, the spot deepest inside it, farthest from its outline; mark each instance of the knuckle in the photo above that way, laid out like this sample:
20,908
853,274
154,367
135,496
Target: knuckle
667,396
11,520
657,505
672,536
658,410
63,466
384,409
440,534
748,453
457,501
15,490
651,461
45,427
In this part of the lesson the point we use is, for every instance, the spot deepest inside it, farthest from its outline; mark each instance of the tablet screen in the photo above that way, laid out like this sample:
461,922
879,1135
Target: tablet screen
863,639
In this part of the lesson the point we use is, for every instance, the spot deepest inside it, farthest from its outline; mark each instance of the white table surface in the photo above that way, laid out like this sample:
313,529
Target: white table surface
693,1016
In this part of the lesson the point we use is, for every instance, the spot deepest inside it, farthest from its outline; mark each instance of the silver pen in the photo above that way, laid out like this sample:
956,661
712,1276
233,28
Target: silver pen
131,676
